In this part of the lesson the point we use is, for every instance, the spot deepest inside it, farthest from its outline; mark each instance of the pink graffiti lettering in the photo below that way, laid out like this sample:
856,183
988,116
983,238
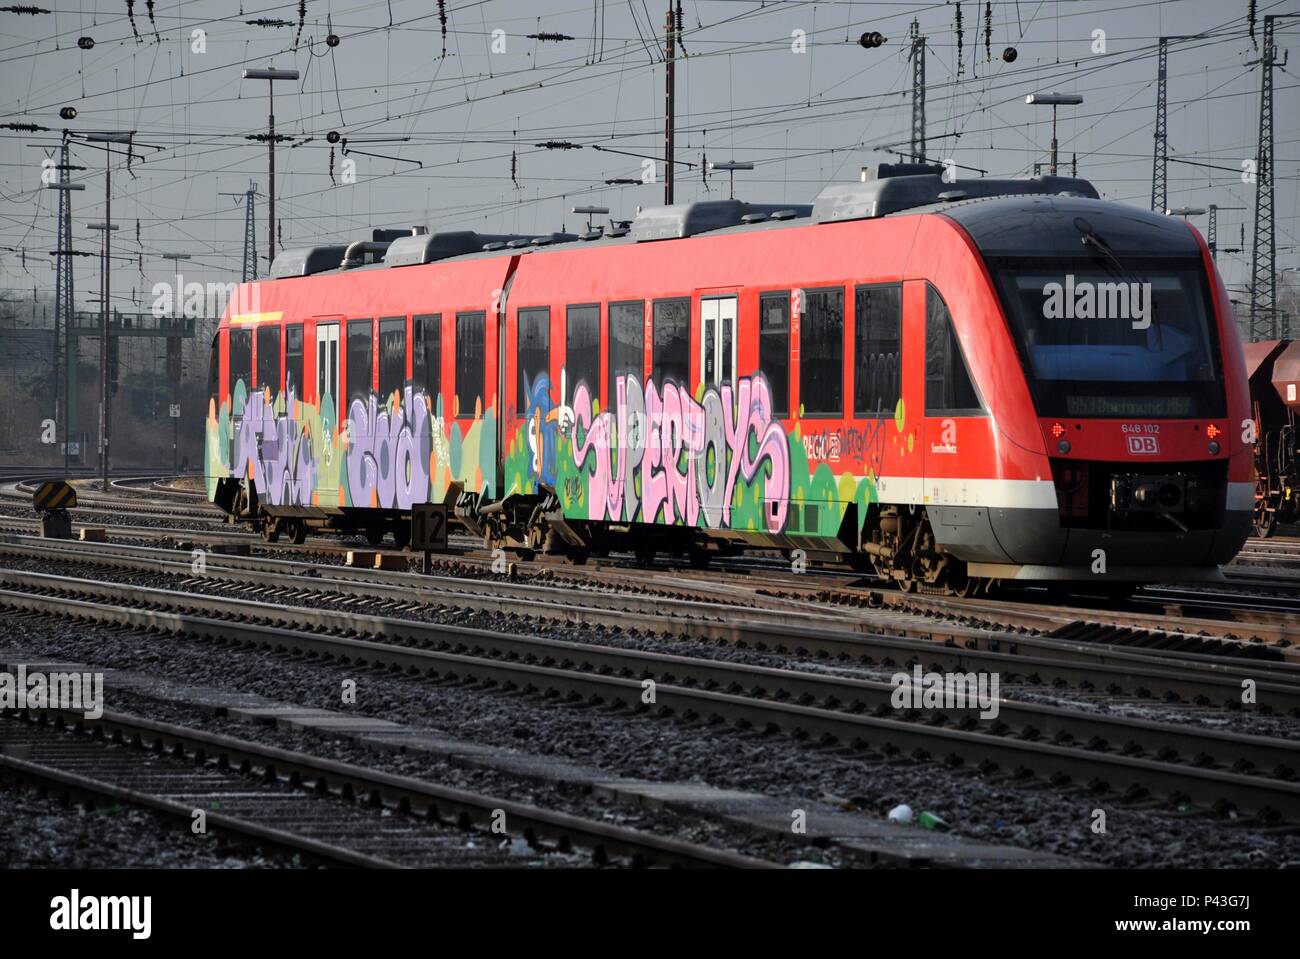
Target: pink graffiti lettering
689,455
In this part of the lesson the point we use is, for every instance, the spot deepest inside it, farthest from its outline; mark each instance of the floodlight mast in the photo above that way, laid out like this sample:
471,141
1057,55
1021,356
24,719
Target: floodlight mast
1054,100
270,74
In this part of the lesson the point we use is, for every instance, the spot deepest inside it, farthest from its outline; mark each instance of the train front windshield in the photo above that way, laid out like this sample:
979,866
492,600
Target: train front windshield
1133,340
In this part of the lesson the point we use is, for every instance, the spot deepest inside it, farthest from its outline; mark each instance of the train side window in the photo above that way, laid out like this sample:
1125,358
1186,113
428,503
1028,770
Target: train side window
534,326
293,359
214,368
670,353
360,362
626,343
582,350
948,384
268,358
470,328
774,348
821,353
878,336
426,359
392,356
241,359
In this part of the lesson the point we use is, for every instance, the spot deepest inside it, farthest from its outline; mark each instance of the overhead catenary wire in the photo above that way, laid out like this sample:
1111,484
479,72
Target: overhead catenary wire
748,121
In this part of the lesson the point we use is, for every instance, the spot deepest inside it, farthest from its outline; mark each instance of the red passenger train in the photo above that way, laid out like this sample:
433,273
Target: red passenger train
949,384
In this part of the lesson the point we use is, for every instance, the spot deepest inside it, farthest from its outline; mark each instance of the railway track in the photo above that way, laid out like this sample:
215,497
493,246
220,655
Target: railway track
327,810
824,635
786,597
1218,618
152,503
1113,755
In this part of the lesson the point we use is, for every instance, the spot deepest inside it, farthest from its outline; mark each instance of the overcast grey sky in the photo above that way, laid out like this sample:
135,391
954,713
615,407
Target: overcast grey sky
743,92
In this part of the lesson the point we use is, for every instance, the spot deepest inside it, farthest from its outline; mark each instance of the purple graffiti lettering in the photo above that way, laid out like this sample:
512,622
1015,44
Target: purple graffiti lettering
275,452
388,452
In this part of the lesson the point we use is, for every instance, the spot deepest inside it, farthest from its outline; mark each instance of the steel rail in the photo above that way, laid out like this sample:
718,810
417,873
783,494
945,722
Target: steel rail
1059,763
706,622
850,694
311,775
1215,678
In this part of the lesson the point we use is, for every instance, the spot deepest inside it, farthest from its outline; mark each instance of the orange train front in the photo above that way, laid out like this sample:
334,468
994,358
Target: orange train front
949,384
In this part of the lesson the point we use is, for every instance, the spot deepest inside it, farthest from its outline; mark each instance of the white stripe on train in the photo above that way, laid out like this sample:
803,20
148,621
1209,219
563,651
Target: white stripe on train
1003,494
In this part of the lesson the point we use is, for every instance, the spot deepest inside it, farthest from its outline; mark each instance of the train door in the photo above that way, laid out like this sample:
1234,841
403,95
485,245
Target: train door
718,340
239,371
327,361
327,398
956,443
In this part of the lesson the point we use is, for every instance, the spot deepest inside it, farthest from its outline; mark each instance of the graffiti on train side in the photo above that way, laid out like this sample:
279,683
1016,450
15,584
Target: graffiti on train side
275,451
718,458
388,451
721,460
865,443
544,423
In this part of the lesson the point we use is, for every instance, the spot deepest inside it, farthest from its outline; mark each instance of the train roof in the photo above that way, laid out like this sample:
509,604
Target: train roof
1055,226
1003,216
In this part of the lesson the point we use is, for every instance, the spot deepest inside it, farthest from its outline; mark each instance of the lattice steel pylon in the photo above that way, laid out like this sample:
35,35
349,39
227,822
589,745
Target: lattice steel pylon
250,248
917,56
249,271
1160,163
1263,256
63,291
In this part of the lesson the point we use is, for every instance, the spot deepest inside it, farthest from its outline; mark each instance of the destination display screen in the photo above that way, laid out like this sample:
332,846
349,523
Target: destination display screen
1149,407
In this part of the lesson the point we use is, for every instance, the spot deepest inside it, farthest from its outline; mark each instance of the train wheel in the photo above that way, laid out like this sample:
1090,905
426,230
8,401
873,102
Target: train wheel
701,558
1265,518
964,586
374,535
1265,521
271,530
402,535
644,553
577,556
298,532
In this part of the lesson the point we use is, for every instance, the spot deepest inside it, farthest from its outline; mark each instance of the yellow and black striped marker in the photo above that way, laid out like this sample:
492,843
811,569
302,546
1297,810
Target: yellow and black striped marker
54,494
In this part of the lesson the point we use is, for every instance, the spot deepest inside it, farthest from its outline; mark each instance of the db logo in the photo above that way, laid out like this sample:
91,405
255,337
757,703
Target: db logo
1143,445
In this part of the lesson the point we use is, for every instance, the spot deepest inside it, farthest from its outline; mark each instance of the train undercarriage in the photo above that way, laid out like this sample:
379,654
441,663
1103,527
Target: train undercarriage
895,544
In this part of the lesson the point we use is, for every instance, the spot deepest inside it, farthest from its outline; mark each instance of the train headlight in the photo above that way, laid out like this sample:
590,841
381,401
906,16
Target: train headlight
1063,447
1214,447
